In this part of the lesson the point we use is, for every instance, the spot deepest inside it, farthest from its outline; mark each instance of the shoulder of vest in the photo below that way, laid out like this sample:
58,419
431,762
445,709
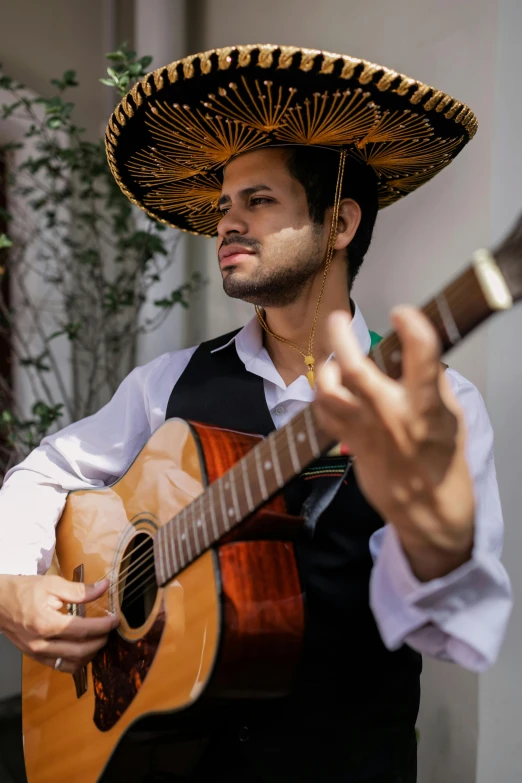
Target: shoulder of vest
218,342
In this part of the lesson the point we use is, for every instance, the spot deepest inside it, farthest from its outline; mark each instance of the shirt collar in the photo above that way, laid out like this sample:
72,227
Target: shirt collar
255,357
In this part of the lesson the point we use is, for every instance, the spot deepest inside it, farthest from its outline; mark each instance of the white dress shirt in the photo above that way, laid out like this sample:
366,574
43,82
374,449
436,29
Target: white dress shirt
461,617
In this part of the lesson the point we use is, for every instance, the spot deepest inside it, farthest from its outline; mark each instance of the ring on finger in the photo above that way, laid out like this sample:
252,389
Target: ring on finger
58,664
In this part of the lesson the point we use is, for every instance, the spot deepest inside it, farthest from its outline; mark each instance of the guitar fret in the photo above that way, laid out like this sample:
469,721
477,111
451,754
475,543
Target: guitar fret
275,462
185,536
262,483
293,450
213,512
177,539
194,529
171,543
234,494
246,482
311,432
448,321
223,505
203,520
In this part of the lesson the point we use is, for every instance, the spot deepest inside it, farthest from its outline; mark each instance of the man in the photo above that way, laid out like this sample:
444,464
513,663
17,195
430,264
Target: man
284,155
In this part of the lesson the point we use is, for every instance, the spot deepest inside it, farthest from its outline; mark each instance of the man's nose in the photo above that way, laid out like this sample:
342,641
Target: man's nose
232,223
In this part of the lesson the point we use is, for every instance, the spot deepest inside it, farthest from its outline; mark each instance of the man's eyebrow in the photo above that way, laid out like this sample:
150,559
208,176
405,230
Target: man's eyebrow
245,193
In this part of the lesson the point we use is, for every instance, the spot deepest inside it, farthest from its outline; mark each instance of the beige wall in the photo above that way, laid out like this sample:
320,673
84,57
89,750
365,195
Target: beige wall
40,40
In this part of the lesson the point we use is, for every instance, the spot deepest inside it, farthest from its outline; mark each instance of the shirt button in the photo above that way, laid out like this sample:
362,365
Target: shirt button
279,410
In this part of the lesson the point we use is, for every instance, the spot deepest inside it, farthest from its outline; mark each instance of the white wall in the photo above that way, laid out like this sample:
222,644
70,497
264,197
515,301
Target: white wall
161,32
500,747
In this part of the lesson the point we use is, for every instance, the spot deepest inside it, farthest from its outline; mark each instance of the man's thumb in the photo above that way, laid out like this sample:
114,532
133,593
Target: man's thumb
79,592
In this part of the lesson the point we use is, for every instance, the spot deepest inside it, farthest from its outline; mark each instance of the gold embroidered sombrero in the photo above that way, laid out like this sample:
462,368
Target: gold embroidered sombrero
169,138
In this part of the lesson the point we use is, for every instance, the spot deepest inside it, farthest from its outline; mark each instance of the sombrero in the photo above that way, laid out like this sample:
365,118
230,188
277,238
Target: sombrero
171,135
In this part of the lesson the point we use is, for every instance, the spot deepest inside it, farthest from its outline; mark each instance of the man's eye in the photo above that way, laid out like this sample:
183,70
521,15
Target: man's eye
259,200
223,211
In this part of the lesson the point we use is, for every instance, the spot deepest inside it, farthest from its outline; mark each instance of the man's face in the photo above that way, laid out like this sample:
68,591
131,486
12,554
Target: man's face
268,246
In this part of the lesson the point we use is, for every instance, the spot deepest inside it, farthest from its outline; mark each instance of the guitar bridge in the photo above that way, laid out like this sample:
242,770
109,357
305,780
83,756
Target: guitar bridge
78,610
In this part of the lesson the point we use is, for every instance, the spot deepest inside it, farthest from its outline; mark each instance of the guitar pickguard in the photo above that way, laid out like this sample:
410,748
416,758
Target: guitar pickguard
119,670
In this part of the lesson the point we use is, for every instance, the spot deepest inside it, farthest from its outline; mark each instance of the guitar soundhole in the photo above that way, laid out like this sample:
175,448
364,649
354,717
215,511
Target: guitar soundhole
138,587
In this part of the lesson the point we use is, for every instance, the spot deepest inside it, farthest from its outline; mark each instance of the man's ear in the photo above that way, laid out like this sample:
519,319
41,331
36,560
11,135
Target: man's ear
348,223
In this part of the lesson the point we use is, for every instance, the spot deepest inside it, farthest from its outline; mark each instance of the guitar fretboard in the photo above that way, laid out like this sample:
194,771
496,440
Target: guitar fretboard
247,486
286,452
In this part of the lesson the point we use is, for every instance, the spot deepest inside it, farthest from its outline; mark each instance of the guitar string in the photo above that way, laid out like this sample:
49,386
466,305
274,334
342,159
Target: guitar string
278,435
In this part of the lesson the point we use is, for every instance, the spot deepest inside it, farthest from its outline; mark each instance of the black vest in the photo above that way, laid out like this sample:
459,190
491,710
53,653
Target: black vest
346,670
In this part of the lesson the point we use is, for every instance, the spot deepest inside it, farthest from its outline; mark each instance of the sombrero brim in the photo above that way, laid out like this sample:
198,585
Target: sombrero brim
171,135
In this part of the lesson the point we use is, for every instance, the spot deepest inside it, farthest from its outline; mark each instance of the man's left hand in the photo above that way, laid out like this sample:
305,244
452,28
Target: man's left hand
407,438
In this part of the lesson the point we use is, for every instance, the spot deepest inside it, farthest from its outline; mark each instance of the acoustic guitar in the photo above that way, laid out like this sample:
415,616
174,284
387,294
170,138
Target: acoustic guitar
197,544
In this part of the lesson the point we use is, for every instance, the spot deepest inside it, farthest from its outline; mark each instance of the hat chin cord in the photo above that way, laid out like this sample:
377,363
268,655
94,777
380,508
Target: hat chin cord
334,229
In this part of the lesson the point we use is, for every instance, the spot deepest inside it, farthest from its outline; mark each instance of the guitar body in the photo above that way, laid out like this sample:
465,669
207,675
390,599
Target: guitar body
228,626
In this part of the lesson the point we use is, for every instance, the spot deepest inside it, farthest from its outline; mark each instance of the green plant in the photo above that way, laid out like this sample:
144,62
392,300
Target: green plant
81,263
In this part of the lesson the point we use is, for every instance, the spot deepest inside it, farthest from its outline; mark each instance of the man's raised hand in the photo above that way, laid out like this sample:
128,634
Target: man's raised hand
408,438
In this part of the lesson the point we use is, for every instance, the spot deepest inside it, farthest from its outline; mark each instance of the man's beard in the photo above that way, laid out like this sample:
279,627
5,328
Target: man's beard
279,286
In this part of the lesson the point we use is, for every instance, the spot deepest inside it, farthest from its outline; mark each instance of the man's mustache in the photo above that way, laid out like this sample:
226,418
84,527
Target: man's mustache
253,244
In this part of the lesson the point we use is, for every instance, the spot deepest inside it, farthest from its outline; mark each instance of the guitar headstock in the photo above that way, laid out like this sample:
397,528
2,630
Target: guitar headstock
508,255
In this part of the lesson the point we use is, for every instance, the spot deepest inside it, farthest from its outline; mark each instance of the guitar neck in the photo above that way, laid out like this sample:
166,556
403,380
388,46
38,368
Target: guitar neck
456,310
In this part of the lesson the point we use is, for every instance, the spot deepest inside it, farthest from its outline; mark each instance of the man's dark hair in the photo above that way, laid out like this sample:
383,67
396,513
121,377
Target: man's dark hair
317,169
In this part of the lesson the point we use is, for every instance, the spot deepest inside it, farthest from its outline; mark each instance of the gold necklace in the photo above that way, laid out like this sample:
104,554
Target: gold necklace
309,357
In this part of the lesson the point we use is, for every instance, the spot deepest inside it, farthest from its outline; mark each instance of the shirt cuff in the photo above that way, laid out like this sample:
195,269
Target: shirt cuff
461,617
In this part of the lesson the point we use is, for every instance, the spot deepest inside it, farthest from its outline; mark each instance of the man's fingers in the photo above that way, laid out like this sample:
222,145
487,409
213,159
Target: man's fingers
359,374
330,385
66,667
79,652
79,628
77,592
420,356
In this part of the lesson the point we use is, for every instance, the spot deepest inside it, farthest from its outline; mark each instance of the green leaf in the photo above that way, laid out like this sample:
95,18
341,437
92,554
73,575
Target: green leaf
9,108
37,362
107,82
115,56
5,241
145,61
70,78
11,145
89,256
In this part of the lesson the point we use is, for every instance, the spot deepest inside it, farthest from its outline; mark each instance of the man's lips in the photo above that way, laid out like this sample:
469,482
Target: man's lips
233,254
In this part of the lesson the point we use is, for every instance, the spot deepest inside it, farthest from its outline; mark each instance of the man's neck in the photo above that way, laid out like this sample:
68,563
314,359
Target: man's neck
294,323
